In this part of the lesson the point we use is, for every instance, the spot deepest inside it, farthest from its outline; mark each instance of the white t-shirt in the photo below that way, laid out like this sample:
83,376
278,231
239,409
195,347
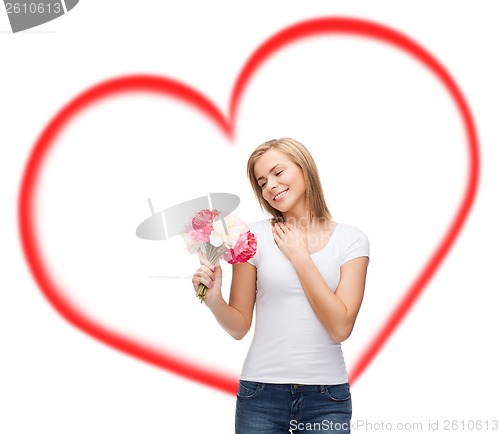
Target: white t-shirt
290,345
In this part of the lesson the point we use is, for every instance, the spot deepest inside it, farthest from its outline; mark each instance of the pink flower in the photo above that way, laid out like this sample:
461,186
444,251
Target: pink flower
202,235
203,219
244,249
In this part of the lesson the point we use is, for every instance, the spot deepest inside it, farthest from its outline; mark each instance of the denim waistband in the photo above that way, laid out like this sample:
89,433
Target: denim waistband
295,387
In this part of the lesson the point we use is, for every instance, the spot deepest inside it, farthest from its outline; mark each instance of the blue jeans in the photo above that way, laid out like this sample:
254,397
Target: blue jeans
264,408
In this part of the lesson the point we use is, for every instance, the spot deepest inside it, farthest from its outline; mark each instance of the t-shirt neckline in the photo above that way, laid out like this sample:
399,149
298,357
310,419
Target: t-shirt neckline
329,240
332,236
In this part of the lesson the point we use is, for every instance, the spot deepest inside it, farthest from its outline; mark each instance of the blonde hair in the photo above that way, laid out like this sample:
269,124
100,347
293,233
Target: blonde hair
299,154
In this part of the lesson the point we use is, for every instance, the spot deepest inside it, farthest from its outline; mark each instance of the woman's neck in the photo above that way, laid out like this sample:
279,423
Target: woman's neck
306,224
301,220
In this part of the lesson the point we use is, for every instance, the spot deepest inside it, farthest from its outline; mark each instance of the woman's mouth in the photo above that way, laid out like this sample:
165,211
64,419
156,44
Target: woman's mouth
279,196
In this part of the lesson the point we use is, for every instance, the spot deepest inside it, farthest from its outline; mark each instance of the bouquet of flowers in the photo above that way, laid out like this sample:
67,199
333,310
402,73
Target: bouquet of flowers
225,238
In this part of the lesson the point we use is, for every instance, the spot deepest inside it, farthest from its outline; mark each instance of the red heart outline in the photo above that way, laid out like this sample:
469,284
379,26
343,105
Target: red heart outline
177,90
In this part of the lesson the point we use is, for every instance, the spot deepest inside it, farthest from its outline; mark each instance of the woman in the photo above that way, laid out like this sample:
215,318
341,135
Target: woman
307,281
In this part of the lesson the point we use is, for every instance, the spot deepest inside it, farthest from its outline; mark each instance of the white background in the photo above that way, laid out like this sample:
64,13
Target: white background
391,153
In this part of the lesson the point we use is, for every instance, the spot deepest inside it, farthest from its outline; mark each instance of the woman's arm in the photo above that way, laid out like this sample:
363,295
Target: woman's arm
337,310
234,317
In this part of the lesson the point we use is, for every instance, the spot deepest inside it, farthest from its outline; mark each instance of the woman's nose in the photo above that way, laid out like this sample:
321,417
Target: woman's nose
271,185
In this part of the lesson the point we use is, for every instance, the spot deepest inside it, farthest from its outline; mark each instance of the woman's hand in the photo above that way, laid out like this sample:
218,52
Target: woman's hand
290,240
210,276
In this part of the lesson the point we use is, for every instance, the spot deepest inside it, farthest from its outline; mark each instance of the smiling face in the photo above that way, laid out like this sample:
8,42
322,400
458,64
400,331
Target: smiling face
281,181
285,180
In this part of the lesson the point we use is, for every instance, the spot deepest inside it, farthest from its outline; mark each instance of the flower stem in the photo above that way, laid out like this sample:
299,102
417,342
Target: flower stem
201,292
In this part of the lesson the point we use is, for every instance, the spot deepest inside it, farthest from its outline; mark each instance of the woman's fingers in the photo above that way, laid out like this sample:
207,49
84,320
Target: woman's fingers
204,260
207,274
203,275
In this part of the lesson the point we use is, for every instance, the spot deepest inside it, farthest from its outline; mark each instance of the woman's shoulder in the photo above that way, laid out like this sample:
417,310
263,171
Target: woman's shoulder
349,234
259,225
349,230
353,241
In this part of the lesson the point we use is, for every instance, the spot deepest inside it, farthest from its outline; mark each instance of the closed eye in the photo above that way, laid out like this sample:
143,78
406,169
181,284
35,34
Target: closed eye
277,174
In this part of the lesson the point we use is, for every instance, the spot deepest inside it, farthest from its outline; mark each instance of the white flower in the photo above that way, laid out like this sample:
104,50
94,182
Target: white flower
235,227
216,238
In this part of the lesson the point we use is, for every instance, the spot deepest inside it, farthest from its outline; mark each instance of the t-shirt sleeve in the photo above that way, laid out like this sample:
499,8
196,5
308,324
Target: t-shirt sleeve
356,245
